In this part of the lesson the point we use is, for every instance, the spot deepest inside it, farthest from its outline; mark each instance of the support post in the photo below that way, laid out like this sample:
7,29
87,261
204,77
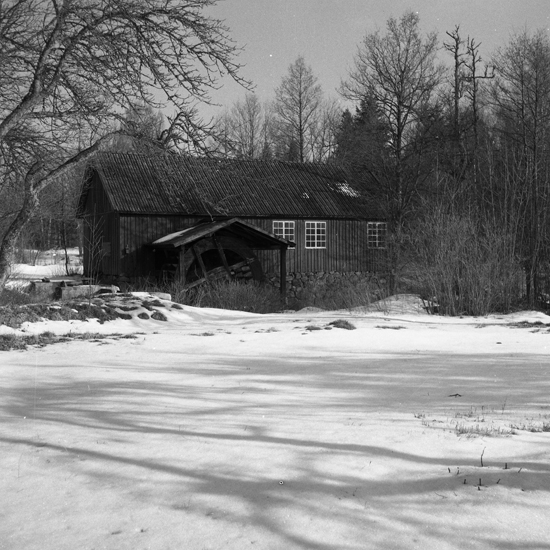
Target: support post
181,266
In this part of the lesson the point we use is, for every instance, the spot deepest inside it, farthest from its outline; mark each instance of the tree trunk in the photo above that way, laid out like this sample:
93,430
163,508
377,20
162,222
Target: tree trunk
7,247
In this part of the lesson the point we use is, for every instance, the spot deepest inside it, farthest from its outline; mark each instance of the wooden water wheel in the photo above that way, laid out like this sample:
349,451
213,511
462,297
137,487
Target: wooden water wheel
216,250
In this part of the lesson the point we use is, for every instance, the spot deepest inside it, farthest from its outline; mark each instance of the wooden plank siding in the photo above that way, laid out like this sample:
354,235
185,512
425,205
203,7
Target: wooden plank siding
346,248
100,228
137,259
133,200
111,255
129,235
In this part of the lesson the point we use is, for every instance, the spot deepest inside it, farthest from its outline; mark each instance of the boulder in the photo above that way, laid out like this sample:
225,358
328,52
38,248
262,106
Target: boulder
162,295
42,290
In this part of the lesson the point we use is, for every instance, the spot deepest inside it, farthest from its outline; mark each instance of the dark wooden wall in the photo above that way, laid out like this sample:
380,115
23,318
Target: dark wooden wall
100,233
138,260
121,240
346,248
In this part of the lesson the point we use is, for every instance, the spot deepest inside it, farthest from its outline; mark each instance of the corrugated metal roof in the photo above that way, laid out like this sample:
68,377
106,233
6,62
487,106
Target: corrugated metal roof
175,184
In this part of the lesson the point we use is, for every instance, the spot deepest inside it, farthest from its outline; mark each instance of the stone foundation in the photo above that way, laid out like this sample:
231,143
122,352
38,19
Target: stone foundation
316,284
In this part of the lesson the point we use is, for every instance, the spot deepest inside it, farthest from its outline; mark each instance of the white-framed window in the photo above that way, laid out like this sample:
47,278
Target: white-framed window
316,234
376,234
284,229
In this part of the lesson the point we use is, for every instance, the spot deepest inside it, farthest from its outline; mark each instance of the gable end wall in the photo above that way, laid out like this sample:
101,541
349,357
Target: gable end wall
100,231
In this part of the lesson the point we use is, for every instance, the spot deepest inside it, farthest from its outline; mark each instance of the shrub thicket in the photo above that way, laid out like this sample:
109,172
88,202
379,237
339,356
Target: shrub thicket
341,293
250,296
465,268
9,297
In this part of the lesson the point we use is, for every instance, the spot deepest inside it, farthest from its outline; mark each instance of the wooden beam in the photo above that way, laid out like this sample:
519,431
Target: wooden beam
199,259
222,255
181,272
217,273
213,275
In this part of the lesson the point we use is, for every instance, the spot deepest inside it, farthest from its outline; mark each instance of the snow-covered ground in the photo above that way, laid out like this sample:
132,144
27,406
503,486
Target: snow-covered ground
45,260
228,430
49,266
52,271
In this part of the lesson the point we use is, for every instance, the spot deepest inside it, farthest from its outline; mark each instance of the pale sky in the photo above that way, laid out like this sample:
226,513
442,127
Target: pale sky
274,33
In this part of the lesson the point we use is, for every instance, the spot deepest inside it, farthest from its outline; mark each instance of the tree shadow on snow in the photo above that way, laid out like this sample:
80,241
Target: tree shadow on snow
240,407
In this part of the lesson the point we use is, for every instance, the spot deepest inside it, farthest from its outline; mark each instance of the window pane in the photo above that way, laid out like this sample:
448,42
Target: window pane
316,234
376,234
284,229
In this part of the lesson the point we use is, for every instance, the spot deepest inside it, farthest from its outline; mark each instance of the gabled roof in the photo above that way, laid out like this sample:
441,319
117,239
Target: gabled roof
258,237
175,184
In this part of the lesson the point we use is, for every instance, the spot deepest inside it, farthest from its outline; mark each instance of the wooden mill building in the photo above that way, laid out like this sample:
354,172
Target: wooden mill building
167,215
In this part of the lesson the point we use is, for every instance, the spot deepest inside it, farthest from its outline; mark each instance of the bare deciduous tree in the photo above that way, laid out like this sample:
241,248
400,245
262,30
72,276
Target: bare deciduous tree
141,129
521,98
69,68
454,47
324,131
243,131
399,70
296,108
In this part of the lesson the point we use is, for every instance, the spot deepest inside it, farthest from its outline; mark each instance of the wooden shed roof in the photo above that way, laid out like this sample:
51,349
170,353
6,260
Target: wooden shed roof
175,184
257,237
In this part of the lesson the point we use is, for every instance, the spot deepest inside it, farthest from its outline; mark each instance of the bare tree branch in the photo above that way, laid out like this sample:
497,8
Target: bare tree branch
69,70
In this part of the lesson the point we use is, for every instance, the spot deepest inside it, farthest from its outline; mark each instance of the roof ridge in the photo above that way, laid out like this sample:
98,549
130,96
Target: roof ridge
183,156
